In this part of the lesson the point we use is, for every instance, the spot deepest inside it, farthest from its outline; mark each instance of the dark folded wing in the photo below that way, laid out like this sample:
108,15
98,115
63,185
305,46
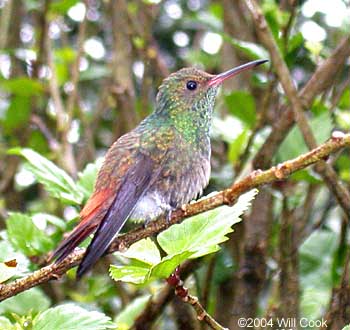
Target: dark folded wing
133,186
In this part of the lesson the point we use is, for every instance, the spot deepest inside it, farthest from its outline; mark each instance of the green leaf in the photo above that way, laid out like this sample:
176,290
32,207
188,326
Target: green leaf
65,55
38,142
6,272
167,265
306,175
344,102
316,258
61,7
130,274
22,86
205,230
52,219
30,301
88,176
241,104
5,324
312,267
25,236
275,17
94,72
56,181
71,317
217,10
7,252
252,50
295,42
346,327
17,114
126,318
294,145
343,164
198,56
145,251
238,145
313,302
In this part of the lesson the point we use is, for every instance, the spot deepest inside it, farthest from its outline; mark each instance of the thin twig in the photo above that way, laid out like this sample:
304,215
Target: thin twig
224,197
5,23
72,99
182,292
158,302
51,140
68,160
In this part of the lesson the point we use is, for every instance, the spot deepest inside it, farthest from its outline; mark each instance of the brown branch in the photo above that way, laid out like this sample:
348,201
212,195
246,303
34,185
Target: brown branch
325,170
227,196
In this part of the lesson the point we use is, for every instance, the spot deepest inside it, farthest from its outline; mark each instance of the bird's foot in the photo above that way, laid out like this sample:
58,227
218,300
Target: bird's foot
168,214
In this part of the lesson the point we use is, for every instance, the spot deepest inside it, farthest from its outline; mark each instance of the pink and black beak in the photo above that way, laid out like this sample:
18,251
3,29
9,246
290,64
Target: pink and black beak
220,78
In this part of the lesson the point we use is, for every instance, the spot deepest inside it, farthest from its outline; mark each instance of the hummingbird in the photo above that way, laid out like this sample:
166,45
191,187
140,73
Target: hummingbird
158,166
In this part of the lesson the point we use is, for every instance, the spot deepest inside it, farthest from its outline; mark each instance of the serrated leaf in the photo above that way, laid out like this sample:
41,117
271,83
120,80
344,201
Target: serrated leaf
144,250
130,274
241,104
167,265
71,317
7,252
52,219
56,181
25,236
6,272
30,301
126,318
205,231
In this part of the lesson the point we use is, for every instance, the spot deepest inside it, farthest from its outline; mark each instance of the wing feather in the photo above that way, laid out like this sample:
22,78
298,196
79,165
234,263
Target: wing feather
134,186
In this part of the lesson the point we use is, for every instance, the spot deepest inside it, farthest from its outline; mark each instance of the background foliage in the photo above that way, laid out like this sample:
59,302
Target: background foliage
76,75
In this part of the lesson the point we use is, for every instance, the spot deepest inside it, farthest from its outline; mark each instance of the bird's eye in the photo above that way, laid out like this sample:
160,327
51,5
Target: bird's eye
191,85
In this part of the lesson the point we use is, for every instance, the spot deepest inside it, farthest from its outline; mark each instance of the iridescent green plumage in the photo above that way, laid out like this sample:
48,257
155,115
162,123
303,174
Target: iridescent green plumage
160,165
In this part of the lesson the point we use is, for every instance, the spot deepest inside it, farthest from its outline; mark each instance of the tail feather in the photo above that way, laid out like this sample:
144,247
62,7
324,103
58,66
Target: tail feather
108,229
110,215
72,241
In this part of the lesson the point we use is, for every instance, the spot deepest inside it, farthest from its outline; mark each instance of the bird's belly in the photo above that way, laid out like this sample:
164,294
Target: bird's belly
173,189
149,207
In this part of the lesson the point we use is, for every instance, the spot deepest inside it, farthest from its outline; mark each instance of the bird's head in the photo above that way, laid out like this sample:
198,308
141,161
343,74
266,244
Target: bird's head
191,89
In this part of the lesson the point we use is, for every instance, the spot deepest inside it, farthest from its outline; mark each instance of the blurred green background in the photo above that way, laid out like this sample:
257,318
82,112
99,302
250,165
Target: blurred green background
75,75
